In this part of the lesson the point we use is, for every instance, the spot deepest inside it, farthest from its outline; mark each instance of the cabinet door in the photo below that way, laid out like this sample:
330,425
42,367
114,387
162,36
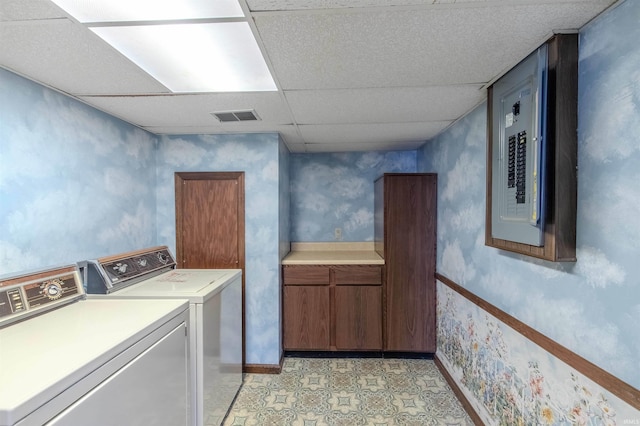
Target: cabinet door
410,243
358,317
306,317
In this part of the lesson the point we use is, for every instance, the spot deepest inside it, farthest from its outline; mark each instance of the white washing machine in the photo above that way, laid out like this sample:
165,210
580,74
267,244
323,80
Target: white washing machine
215,318
68,361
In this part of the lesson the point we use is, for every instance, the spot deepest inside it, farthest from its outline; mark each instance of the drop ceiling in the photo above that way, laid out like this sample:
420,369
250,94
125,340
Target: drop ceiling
352,75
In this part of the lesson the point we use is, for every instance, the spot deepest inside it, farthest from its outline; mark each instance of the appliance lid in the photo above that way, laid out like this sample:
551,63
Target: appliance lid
194,284
51,352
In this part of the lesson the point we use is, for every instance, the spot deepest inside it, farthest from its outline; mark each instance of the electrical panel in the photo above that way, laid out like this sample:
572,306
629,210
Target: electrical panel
518,150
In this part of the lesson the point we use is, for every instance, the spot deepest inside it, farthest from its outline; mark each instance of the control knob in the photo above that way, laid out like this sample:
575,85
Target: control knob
52,289
163,258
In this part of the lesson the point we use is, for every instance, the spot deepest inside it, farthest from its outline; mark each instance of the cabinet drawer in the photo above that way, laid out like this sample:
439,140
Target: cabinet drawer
357,275
306,275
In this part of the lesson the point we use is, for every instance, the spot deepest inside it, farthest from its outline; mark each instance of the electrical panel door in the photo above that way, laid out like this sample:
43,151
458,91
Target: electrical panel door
518,111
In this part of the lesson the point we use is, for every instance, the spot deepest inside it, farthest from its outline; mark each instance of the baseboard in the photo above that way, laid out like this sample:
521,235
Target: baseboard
456,390
333,354
277,368
359,354
264,368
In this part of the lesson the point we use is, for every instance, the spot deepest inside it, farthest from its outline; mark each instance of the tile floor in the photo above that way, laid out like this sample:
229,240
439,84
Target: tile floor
351,391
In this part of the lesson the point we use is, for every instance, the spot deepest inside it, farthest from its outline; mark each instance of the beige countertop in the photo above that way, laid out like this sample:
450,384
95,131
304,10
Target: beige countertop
333,254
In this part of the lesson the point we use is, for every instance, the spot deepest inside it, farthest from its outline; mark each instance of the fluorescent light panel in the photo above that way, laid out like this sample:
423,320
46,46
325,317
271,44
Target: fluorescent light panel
185,57
221,57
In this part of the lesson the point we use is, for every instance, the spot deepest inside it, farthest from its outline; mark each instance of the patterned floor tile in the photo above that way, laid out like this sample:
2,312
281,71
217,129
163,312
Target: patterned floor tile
349,392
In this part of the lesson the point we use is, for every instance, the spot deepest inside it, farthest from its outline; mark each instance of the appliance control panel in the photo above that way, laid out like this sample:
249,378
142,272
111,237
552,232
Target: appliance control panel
24,295
112,273
137,264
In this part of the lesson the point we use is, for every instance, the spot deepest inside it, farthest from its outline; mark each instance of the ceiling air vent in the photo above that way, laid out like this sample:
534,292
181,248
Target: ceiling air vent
228,116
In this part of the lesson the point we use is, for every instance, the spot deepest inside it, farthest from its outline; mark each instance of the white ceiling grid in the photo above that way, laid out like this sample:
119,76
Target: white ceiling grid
353,75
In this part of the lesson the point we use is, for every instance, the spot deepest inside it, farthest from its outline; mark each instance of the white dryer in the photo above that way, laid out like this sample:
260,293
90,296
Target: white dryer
215,318
68,361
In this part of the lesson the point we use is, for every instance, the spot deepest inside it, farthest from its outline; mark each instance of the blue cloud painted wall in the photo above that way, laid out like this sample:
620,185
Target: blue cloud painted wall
591,306
331,191
262,158
75,183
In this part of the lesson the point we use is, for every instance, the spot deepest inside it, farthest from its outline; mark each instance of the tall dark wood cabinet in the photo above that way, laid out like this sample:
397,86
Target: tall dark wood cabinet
405,236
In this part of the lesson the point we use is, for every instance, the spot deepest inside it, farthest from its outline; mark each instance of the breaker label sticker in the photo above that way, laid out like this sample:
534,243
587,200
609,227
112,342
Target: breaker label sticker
508,120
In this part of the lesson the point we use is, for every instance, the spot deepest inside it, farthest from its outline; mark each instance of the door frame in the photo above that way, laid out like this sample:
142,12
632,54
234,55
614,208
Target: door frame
180,178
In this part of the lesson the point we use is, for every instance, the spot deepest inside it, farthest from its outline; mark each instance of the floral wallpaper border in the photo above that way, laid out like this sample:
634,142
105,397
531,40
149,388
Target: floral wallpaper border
509,380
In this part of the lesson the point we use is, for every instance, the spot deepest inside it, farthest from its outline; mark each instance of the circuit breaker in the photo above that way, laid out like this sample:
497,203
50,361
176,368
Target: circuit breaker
518,175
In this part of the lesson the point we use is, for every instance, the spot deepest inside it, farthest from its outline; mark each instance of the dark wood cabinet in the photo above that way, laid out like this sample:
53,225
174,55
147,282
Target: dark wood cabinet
306,317
405,236
307,310
332,307
358,317
358,307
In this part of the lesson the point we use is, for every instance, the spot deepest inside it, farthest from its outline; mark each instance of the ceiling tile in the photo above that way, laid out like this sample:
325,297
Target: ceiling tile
370,133
284,5
363,147
281,5
405,48
289,133
385,105
192,110
296,147
27,10
67,56
258,5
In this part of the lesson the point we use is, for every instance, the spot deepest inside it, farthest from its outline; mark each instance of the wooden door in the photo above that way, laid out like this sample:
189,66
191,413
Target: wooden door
210,220
210,224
